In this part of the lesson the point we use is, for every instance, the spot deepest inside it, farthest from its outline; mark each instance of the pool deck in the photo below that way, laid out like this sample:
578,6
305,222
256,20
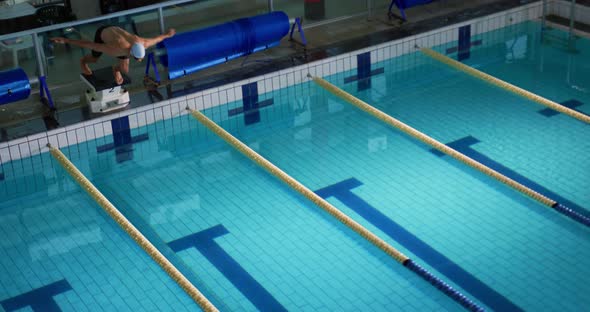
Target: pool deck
29,116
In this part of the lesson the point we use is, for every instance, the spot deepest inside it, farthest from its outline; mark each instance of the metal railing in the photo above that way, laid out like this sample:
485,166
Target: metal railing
154,8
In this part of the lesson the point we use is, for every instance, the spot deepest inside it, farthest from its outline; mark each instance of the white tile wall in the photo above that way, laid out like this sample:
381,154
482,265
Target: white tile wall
562,8
138,117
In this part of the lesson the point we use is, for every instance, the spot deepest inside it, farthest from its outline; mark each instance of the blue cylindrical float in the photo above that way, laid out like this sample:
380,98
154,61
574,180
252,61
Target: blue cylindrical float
404,4
192,51
14,86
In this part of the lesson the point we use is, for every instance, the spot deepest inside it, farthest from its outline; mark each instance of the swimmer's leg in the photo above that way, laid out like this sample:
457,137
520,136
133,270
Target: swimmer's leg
121,67
87,59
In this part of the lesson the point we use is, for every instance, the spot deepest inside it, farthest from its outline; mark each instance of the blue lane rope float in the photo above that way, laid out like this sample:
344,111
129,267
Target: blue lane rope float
335,212
449,151
572,214
505,85
132,231
442,286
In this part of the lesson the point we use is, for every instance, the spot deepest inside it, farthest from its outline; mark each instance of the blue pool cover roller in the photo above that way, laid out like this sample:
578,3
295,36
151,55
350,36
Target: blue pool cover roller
14,86
192,51
404,4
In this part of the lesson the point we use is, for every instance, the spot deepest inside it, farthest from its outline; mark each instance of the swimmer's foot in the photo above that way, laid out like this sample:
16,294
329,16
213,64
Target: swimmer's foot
118,76
85,68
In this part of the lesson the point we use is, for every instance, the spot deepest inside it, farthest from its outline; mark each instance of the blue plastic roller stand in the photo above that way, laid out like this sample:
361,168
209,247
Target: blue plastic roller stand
404,4
14,86
192,51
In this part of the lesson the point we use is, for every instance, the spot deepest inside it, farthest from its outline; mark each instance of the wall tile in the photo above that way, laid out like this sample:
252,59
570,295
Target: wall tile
24,150
4,155
81,135
107,128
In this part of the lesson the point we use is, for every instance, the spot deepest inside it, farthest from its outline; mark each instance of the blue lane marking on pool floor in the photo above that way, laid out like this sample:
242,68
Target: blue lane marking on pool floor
150,233
122,140
444,265
111,146
548,112
473,43
250,103
238,110
204,242
364,72
463,145
40,299
464,42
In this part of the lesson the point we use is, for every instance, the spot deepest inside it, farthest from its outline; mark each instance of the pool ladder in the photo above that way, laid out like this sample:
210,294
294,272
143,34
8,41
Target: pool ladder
570,41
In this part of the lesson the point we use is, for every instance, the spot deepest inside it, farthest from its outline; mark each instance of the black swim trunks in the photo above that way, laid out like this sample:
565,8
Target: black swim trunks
98,39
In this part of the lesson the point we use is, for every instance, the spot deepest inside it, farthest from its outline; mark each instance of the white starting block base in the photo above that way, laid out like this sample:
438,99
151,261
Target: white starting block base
107,100
103,94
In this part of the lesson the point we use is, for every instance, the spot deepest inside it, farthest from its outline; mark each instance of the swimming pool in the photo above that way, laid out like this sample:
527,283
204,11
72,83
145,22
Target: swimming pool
249,242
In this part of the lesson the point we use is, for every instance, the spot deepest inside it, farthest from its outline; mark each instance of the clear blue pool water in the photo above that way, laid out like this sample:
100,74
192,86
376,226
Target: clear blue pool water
59,248
248,242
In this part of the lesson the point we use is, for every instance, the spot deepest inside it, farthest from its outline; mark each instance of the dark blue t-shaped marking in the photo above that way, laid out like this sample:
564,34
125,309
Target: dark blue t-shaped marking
204,242
364,72
548,112
122,139
435,259
464,42
40,299
464,146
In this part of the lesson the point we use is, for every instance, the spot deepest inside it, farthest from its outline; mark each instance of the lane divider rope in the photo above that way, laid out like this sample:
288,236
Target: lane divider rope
132,231
449,151
505,85
335,212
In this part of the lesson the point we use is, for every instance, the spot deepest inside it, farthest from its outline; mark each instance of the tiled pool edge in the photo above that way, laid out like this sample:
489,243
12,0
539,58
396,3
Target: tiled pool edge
138,117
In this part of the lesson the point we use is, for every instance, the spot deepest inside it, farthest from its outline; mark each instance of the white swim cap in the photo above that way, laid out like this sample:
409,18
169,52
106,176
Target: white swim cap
137,50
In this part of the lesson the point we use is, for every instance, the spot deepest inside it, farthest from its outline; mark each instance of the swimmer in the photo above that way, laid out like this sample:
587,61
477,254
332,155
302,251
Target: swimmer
115,42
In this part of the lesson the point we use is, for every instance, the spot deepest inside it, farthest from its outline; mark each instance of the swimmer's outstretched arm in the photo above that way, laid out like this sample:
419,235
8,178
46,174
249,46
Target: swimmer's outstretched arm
148,42
99,47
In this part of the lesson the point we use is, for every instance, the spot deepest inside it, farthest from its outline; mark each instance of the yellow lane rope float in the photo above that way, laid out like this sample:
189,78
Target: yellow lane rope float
297,186
132,231
430,141
505,85
335,212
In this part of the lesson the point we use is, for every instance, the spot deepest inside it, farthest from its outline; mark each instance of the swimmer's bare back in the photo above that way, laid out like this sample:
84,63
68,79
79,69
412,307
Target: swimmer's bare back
118,40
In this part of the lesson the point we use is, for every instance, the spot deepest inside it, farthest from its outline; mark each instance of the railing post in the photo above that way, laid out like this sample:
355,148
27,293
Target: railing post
161,20
38,55
572,17
571,36
43,87
370,8
544,14
270,6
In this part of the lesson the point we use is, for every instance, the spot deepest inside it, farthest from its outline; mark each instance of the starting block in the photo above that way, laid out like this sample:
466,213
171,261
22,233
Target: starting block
103,93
